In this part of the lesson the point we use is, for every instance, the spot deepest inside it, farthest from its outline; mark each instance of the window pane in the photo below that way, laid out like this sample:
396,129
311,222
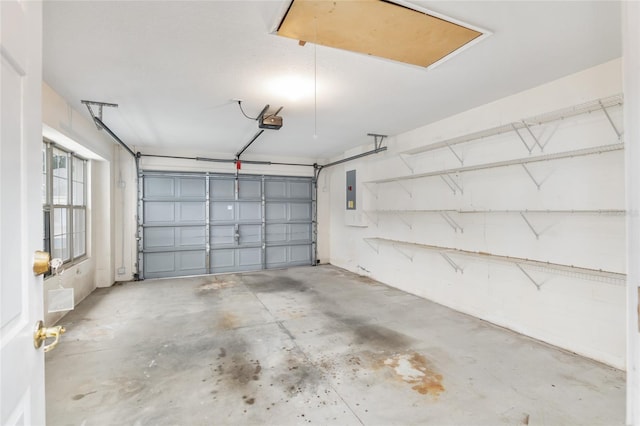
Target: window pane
60,233
61,247
78,181
60,170
44,174
59,221
46,241
79,232
78,193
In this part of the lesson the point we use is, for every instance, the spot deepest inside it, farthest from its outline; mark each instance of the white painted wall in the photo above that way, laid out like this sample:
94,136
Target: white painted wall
577,312
124,216
67,127
631,72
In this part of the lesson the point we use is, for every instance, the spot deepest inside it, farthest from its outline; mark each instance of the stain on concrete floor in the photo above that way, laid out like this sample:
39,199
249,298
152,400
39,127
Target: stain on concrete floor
414,369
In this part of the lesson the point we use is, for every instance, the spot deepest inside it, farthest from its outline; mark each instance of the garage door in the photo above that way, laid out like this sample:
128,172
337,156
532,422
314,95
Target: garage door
193,224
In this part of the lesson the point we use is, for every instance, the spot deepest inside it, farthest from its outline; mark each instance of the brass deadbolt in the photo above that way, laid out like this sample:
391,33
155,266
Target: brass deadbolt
41,262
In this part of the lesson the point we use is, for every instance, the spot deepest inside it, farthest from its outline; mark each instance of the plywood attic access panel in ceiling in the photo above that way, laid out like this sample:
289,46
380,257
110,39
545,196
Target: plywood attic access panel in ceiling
375,27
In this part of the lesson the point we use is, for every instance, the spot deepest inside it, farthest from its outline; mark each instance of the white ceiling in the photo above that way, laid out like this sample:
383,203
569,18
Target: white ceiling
174,67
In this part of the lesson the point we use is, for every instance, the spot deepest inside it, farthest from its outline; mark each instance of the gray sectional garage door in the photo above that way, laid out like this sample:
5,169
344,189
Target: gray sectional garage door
198,223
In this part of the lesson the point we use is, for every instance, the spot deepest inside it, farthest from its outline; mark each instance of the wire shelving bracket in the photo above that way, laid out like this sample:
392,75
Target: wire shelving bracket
451,263
452,223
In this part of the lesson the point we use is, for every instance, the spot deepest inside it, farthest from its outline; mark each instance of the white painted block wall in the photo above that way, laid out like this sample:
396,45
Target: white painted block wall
582,313
631,73
63,124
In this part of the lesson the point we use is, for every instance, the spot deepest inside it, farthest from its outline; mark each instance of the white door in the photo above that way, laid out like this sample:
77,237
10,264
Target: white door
22,366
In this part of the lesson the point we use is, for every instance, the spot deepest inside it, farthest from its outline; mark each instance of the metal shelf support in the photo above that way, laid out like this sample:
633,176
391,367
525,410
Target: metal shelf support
456,155
536,233
375,248
374,193
452,223
403,220
515,129
536,183
526,274
370,217
402,252
451,263
451,183
403,157
405,189
615,129
537,141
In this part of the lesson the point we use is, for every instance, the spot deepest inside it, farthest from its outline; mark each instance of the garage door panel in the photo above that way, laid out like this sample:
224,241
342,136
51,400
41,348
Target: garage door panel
276,212
222,235
275,189
191,212
222,211
276,256
174,264
276,233
236,260
222,260
174,237
192,261
250,234
250,258
250,211
285,256
294,233
159,187
273,229
300,254
222,189
159,212
191,187
190,236
159,238
300,189
158,263
300,211
250,189
300,232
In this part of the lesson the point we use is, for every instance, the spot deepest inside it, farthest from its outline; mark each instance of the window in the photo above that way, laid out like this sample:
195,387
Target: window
64,190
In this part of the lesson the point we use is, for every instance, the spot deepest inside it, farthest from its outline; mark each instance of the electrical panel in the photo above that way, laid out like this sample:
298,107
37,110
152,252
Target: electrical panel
351,190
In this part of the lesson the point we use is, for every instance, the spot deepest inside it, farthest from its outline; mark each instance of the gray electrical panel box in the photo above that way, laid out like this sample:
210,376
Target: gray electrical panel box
351,190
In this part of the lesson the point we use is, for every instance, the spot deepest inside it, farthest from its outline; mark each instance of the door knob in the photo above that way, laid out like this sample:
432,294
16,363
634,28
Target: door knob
42,333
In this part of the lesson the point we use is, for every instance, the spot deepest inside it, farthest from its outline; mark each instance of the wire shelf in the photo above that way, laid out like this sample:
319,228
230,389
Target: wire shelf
585,108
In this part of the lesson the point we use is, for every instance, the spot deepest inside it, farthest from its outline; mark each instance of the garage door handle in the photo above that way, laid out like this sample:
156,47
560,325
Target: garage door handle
237,237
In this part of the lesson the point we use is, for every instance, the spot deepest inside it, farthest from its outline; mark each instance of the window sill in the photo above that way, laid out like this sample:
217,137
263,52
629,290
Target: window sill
69,265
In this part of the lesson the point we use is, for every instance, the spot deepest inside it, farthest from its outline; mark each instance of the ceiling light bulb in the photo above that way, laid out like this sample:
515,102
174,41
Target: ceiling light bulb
292,87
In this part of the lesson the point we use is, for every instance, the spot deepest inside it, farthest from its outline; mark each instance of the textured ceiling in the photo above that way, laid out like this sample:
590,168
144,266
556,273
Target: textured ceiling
174,68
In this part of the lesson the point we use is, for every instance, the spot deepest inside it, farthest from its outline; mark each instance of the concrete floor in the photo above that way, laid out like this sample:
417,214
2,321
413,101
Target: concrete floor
308,346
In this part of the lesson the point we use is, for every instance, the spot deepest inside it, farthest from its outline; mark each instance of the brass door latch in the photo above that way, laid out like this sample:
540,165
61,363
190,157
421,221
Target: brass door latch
42,333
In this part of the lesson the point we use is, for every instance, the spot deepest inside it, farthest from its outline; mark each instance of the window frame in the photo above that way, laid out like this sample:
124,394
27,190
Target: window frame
49,207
